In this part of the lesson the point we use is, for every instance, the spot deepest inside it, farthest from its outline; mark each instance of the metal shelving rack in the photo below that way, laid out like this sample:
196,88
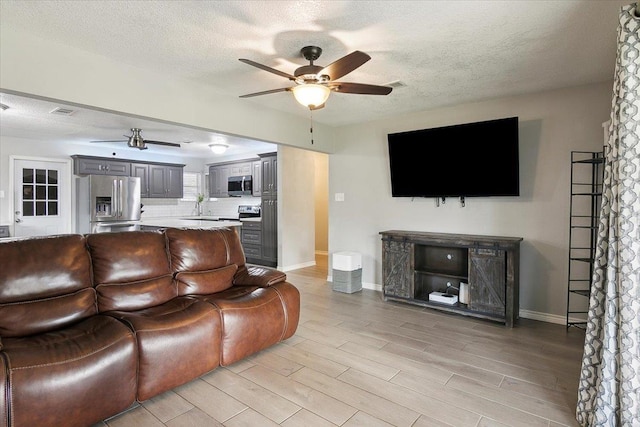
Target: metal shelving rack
587,169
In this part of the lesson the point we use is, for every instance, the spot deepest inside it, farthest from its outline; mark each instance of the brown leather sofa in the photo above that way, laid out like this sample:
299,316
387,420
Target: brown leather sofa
91,324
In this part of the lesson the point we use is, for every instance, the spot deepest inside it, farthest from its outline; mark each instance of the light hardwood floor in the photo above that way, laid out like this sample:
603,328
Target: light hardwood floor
356,360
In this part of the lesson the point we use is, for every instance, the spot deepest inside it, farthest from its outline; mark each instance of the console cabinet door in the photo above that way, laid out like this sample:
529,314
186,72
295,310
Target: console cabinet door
487,280
397,269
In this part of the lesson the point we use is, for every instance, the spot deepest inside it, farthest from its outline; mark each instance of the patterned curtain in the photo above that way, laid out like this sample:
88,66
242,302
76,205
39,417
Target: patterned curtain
609,389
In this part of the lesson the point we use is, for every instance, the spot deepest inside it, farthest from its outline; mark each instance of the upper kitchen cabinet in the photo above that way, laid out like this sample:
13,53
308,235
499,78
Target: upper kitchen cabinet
141,170
165,181
256,173
218,177
240,169
86,165
219,174
269,166
157,180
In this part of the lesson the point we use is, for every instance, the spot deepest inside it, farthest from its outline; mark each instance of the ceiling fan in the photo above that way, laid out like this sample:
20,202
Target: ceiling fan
314,83
135,140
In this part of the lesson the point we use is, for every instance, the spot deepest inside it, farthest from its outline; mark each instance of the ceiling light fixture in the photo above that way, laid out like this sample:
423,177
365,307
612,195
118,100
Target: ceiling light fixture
311,95
218,148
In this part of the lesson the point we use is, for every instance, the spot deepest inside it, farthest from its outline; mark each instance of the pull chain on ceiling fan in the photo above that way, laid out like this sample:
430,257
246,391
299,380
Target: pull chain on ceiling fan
314,84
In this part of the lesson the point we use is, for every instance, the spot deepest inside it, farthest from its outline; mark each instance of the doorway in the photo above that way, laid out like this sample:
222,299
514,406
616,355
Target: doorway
41,196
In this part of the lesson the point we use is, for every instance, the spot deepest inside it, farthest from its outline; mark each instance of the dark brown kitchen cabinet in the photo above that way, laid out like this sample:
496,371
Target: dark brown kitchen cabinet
269,169
416,264
165,182
141,170
218,180
100,166
159,180
251,237
269,164
256,173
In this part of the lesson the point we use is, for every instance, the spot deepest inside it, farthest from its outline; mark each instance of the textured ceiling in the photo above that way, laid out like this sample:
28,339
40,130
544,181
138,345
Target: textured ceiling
446,52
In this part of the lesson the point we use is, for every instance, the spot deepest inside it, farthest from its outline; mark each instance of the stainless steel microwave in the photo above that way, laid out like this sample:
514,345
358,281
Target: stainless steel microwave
240,185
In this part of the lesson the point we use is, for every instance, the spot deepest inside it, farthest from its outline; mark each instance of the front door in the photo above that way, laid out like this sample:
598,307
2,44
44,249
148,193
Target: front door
41,200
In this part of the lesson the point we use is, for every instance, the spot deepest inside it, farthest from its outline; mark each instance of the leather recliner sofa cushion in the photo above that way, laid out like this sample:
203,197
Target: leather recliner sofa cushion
178,337
51,333
74,376
46,285
253,317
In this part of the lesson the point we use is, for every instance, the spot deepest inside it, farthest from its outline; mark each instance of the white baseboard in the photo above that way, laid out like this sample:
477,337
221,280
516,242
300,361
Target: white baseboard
547,317
526,314
297,266
322,253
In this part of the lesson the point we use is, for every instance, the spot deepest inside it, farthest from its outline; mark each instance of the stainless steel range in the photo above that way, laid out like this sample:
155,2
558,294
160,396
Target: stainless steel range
248,211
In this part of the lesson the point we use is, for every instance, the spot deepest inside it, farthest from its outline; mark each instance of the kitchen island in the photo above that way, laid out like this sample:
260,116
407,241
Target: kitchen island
187,222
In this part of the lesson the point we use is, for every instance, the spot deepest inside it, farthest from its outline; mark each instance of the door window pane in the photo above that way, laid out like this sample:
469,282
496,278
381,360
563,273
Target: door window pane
41,208
41,176
27,175
52,208
53,176
53,192
41,192
27,208
27,192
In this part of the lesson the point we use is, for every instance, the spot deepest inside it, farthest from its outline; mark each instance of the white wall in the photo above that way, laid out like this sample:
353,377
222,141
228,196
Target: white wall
552,124
322,202
296,208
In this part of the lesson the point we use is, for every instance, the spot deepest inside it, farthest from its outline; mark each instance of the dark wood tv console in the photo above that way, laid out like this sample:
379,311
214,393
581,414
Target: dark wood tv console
415,264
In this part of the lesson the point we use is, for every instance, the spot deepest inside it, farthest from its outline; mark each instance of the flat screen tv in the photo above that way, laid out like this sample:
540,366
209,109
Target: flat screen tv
467,160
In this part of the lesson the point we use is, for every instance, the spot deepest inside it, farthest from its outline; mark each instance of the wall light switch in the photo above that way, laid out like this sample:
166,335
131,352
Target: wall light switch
1,194
339,197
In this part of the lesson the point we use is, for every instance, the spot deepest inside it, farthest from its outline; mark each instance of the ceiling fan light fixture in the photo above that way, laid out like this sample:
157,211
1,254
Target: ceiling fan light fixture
218,148
311,95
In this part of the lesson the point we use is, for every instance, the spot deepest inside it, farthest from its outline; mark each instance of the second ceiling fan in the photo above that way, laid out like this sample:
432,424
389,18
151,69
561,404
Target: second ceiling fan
314,83
135,140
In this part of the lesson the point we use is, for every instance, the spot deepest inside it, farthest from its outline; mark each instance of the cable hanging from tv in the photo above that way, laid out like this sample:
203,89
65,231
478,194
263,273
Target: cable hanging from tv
443,200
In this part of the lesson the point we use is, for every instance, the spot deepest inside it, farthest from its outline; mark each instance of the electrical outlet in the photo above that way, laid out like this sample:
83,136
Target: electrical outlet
339,197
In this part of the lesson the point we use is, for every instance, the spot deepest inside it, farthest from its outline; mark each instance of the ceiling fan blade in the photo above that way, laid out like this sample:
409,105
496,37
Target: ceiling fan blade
112,140
360,88
269,69
345,65
266,92
168,144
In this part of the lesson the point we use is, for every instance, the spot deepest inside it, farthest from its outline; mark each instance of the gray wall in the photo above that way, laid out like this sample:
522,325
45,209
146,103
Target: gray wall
552,124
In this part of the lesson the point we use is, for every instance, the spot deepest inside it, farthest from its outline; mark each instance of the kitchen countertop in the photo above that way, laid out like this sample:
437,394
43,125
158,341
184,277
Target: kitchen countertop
188,222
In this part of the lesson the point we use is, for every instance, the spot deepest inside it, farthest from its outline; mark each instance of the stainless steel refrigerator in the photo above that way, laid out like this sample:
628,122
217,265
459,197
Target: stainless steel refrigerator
107,203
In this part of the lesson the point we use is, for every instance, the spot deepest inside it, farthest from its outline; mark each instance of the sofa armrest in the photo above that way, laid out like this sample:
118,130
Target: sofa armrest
258,276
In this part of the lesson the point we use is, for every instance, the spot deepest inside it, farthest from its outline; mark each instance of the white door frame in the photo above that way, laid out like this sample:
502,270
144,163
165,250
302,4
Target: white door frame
66,192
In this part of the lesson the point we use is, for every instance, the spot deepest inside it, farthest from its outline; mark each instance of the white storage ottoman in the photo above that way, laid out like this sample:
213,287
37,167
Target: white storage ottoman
347,272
